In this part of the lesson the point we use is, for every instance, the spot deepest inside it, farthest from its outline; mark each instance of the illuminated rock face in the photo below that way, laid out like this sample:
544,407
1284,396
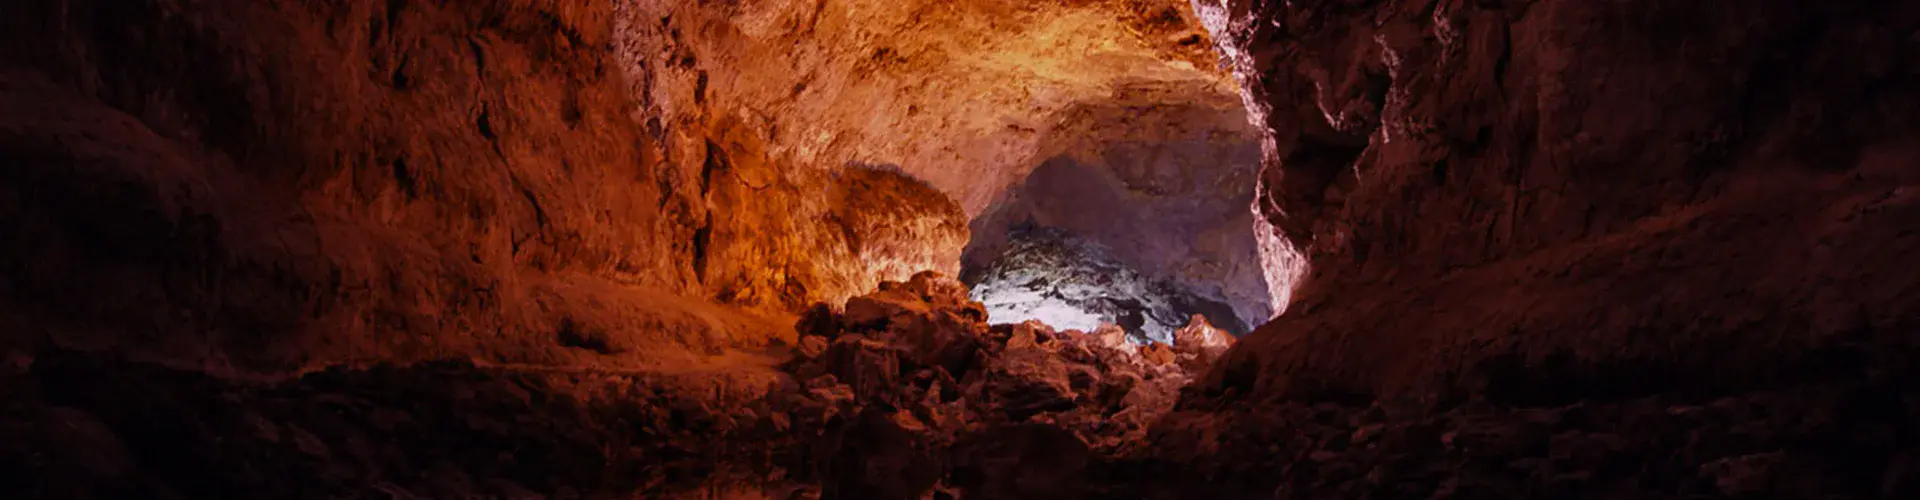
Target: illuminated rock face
506,248
975,98
422,181
1072,283
272,186
962,94
933,396
1164,188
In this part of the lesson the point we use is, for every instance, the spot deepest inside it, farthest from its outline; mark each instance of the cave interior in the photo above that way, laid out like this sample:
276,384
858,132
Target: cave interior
959,249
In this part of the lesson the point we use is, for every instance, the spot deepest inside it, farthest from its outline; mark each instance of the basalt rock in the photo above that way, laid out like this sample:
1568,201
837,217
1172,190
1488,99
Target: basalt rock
1637,193
269,188
920,353
1197,345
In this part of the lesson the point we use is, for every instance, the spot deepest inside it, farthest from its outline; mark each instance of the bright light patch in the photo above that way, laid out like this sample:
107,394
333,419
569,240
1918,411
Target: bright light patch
1015,305
1073,284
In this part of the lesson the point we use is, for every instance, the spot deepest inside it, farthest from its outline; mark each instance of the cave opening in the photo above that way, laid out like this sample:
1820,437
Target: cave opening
1074,164
702,250
1138,216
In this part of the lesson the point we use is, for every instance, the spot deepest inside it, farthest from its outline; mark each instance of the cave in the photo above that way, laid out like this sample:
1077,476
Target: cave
866,249
1136,211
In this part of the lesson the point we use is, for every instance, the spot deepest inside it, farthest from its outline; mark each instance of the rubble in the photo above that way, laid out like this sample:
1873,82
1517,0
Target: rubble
1075,283
1040,413
922,351
1012,411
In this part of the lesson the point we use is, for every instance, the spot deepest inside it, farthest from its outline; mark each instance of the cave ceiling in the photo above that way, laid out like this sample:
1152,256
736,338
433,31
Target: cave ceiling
968,96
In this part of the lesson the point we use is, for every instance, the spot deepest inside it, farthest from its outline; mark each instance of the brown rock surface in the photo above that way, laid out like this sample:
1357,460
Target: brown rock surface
956,93
1010,108
1025,413
1658,196
274,186
1037,414
1199,344
520,248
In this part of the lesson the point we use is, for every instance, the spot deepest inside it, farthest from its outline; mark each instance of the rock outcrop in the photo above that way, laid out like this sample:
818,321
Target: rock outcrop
1549,248
1009,108
1662,196
1163,186
959,94
266,187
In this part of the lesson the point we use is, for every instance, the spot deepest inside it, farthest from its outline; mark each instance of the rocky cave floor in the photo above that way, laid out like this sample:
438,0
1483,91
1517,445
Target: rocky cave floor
908,393
1069,282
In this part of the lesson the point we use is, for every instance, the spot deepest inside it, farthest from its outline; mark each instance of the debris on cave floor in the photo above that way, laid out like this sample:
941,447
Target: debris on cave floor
1072,283
901,391
908,393
922,352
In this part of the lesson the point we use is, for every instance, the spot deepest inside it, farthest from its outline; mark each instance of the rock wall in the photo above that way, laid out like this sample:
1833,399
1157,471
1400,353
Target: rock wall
973,98
1495,198
959,94
776,235
249,186
1164,184
1639,247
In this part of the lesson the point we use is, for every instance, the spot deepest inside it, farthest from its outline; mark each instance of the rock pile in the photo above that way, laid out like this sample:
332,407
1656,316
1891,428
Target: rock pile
933,397
907,393
1070,281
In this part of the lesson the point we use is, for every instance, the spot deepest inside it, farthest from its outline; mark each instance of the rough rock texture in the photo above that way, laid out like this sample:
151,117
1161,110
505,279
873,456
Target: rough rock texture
820,236
248,183
912,394
1198,345
1064,280
1164,186
909,393
993,102
1665,195
960,94
946,403
265,186
517,248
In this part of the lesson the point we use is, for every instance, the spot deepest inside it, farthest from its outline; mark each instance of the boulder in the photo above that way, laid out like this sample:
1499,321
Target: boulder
1199,344
819,320
1157,354
1111,336
870,367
